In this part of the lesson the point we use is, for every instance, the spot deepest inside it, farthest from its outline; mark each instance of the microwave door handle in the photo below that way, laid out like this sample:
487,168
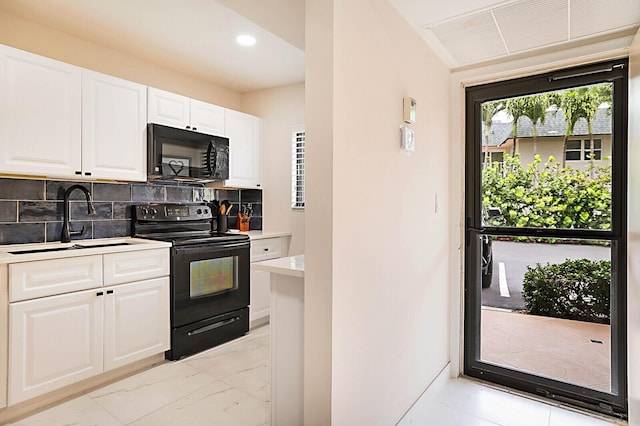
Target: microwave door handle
212,154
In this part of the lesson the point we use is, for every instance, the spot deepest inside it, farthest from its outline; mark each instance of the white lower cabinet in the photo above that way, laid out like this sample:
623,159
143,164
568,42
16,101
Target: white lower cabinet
260,303
54,341
260,296
136,322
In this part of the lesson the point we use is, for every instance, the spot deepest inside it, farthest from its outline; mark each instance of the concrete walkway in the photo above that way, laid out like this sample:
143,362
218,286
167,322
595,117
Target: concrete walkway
570,351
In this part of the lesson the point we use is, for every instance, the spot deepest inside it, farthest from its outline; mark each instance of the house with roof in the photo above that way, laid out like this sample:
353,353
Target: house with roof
550,139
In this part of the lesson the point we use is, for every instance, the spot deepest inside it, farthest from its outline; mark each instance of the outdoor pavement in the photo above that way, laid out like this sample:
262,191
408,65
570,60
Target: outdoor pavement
571,351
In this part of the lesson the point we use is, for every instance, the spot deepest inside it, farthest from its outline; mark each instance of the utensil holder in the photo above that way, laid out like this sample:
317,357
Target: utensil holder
243,222
222,223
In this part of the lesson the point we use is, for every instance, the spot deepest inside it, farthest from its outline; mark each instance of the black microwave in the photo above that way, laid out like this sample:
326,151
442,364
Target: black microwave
178,154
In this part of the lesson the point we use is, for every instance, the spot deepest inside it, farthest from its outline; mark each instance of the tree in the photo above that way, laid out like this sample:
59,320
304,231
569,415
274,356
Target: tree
580,103
515,107
569,103
535,107
489,110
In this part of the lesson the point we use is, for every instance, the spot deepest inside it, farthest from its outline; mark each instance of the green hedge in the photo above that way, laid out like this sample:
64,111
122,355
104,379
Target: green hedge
548,196
574,289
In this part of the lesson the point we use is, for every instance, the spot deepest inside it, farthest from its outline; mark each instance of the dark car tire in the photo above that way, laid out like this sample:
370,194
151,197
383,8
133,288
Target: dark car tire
488,277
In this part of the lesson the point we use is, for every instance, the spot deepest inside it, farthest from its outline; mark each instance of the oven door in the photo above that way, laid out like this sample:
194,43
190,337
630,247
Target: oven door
208,280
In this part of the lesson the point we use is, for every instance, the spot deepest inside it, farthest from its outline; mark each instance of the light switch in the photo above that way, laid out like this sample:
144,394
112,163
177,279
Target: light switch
407,140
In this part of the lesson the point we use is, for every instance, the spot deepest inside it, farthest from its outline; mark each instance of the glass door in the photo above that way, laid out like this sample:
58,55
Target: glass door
545,258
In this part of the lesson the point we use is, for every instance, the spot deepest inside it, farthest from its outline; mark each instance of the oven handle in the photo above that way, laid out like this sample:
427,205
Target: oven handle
212,326
215,247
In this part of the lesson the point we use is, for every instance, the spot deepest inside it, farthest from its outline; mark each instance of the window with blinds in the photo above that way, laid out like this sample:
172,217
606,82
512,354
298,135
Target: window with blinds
297,171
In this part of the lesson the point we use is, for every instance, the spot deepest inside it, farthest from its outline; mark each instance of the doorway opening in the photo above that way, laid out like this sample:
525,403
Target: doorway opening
545,257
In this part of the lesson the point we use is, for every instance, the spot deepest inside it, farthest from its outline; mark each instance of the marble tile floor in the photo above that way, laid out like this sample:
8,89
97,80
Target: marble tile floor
230,385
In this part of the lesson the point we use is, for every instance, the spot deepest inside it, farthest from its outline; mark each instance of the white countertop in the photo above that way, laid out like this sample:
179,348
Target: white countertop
292,265
90,247
257,235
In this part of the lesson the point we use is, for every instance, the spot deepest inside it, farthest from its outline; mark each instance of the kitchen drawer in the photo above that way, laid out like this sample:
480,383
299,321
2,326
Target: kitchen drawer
135,266
30,280
268,248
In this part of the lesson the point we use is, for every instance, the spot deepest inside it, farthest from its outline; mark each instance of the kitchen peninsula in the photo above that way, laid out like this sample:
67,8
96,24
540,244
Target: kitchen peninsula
287,326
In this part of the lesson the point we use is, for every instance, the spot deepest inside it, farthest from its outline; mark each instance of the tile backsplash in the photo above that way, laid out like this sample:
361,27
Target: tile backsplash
31,210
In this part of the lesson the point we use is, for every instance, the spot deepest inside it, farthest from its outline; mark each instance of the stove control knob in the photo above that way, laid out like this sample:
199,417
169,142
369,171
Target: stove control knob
153,211
206,211
199,211
144,211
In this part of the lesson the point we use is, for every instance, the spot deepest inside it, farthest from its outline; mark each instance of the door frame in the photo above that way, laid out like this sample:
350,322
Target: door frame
616,72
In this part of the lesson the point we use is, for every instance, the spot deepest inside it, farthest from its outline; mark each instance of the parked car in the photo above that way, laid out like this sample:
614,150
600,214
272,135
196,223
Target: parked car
491,216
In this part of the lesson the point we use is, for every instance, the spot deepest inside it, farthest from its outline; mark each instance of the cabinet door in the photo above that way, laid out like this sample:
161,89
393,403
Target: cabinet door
168,108
54,341
260,295
136,321
243,131
114,121
40,110
207,118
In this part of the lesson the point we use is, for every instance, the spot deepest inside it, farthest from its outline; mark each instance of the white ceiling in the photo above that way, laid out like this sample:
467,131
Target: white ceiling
197,37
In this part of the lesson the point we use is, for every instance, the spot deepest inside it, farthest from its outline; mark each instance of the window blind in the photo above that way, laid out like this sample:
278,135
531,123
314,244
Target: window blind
297,171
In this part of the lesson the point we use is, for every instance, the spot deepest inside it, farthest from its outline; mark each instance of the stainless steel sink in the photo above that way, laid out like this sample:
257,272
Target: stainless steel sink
73,247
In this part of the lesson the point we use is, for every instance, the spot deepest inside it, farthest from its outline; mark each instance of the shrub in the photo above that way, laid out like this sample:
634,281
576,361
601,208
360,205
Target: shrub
548,196
574,289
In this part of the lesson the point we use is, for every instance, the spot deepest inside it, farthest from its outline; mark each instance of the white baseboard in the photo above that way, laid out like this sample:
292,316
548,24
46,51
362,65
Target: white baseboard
418,414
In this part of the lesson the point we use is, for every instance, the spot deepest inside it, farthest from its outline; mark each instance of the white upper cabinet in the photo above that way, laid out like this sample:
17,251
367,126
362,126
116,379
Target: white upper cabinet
40,128
243,131
114,120
171,109
168,108
58,120
207,118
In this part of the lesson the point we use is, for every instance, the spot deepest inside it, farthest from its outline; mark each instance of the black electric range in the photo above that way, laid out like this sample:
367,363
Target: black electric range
209,275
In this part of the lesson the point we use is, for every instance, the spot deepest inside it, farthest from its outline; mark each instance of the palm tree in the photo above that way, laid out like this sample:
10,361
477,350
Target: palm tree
489,110
592,97
515,107
569,103
535,107
580,103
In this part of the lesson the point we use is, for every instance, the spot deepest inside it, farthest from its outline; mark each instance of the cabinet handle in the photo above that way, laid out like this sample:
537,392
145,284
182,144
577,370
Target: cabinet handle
266,249
195,128
99,293
188,127
87,173
109,291
78,172
257,184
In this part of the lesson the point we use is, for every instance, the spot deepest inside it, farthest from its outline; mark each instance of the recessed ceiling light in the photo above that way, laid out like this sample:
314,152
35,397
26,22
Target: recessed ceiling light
246,40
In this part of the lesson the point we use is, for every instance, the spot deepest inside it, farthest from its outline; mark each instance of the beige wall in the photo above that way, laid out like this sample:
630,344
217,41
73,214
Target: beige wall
280,109
552,147
35,38
372,218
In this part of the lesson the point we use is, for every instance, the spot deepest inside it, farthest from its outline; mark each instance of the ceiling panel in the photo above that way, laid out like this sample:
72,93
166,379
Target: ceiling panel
470,38
460,32
590,17
531,24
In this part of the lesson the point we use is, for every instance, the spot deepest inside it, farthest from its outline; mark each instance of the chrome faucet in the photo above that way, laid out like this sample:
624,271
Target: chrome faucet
66,232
